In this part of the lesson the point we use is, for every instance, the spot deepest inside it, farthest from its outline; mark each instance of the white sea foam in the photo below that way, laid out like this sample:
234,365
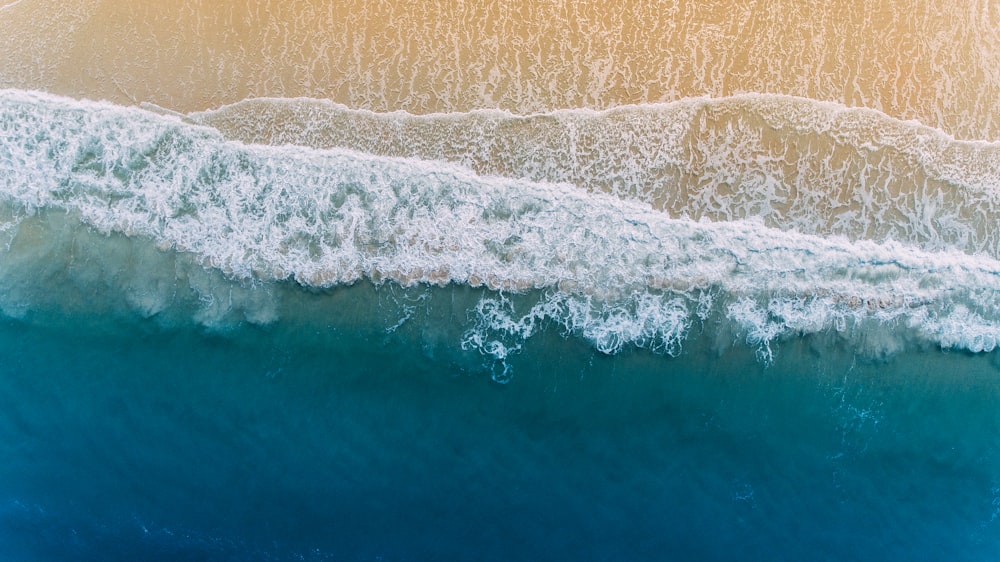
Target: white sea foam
614,271
816,167
9,4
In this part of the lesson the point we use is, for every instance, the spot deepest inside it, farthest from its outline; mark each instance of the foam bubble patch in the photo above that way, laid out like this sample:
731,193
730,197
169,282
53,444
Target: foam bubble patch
616,272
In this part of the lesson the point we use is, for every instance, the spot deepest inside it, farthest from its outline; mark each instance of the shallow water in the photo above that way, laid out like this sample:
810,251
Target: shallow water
328,438
507,280
912,59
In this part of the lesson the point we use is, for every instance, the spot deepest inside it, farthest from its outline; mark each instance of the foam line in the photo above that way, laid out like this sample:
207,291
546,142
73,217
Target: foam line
616,271
815,167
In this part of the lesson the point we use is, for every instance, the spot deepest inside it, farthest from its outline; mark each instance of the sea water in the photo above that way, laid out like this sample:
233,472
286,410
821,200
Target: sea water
353,282
329,438
218,350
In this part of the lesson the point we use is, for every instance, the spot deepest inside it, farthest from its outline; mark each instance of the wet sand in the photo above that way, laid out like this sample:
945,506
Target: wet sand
912,59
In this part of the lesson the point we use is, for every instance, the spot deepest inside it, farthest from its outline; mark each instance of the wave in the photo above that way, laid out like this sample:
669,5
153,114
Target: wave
615,271
815,167
912,59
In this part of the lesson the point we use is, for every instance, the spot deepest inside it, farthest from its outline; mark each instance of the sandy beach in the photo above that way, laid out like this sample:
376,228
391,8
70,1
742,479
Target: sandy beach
912,59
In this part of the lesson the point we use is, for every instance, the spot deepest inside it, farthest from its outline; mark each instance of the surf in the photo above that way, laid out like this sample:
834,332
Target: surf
815,167
613,270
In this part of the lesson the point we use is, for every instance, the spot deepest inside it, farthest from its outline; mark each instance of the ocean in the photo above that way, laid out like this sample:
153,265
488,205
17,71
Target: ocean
499,281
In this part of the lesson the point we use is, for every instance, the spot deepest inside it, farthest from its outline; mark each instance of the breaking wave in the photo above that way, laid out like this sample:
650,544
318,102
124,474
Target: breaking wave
550,221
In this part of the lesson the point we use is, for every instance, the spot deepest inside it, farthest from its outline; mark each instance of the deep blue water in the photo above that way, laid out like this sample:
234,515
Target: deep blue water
326,438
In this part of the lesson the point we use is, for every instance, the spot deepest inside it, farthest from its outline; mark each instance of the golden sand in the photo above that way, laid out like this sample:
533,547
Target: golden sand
935,62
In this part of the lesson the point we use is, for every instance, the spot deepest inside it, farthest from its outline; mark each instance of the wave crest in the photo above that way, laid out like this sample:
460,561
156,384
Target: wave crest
614,271
814,167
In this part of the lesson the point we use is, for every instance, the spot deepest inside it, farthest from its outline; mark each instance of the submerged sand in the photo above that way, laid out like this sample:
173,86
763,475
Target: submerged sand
912,59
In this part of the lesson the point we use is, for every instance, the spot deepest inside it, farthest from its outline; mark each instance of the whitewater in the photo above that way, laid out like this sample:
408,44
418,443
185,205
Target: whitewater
380,280
610,268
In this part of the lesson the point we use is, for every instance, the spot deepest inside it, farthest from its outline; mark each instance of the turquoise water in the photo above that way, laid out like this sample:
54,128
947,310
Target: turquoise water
331,439
218,351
